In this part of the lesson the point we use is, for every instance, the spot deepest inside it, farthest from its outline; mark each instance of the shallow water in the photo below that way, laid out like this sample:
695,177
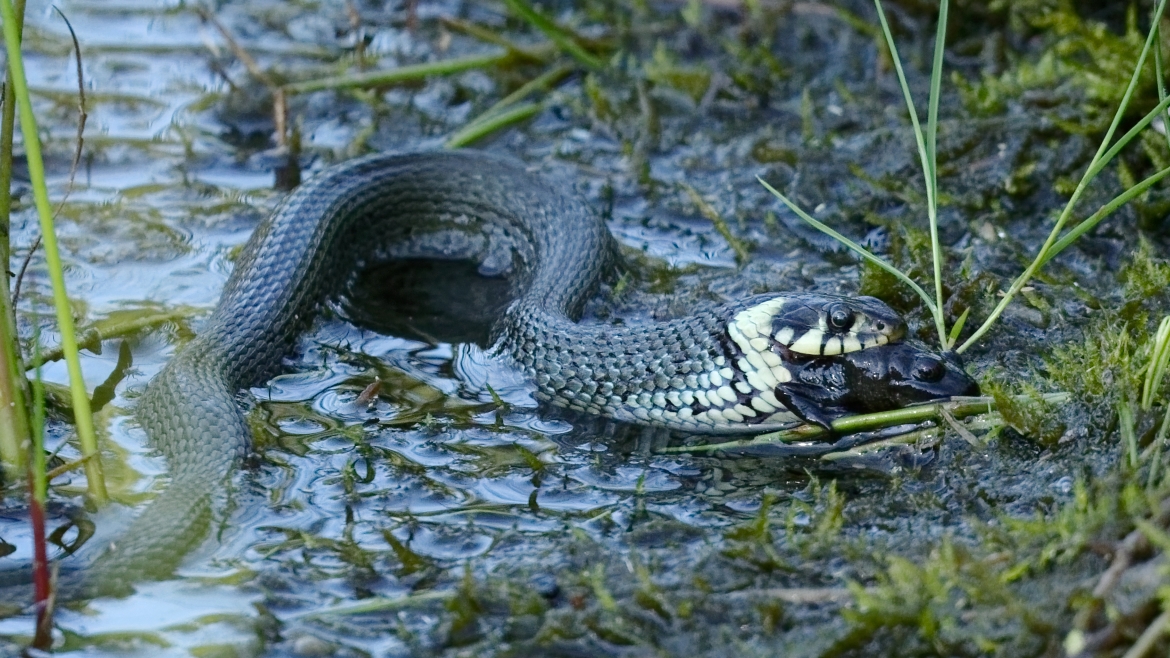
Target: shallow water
158,205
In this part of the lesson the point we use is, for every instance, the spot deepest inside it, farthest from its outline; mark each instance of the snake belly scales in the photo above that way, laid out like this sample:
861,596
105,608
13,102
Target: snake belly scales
718,371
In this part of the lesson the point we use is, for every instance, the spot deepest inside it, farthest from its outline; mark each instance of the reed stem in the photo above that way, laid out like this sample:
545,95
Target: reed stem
36,168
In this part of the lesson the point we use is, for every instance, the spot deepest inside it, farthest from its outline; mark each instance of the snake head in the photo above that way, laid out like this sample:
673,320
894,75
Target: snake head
823,356
810,325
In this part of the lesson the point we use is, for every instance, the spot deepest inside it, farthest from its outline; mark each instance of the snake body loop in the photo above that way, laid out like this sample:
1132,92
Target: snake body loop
749,366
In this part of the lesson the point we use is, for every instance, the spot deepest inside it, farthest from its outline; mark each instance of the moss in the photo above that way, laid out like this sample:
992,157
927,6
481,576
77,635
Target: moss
1104,510
1076,79
1145,276
465,610
767,151
663,68
754,541
1031,417
929,603
910,251
1100,369
599,100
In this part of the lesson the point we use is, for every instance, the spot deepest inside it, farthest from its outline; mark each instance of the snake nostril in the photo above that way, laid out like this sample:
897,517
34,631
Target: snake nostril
929,370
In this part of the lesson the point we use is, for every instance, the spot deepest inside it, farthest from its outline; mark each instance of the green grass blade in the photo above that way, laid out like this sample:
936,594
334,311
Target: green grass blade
7,124
541,83
940,39
957,328
1133,81
918,138
14,421
1121,199
861,251
956,407
1160,81
401,74
487,125
565,41
1159,361
36,169
1125,139
932,151
1106,210
1102,157
927,167
1125,426
39,487
1159,446
742,252
490,119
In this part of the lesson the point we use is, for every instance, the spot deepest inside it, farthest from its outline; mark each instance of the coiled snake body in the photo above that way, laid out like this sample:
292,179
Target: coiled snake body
749,366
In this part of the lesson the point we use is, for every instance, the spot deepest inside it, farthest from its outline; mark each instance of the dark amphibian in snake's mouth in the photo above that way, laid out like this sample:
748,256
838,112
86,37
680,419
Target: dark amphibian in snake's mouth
749,366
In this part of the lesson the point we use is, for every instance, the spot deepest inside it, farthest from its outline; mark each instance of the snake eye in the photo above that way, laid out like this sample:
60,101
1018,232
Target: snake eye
840,317
929,370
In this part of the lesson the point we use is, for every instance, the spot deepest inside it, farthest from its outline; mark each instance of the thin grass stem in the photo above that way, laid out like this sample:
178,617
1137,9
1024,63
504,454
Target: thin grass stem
92,336
477,130
742,253
1160,78
1098,165
1125,422
540,83
1106,210
860,250
927,436
924,155
1159,360
487,36
554,32
932,151
1148,640
957,407
82,416
1159,446
1095,166
14,420
7,128
404,73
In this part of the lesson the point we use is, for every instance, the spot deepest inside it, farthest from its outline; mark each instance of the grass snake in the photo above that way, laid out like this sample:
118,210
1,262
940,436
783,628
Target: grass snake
749,366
